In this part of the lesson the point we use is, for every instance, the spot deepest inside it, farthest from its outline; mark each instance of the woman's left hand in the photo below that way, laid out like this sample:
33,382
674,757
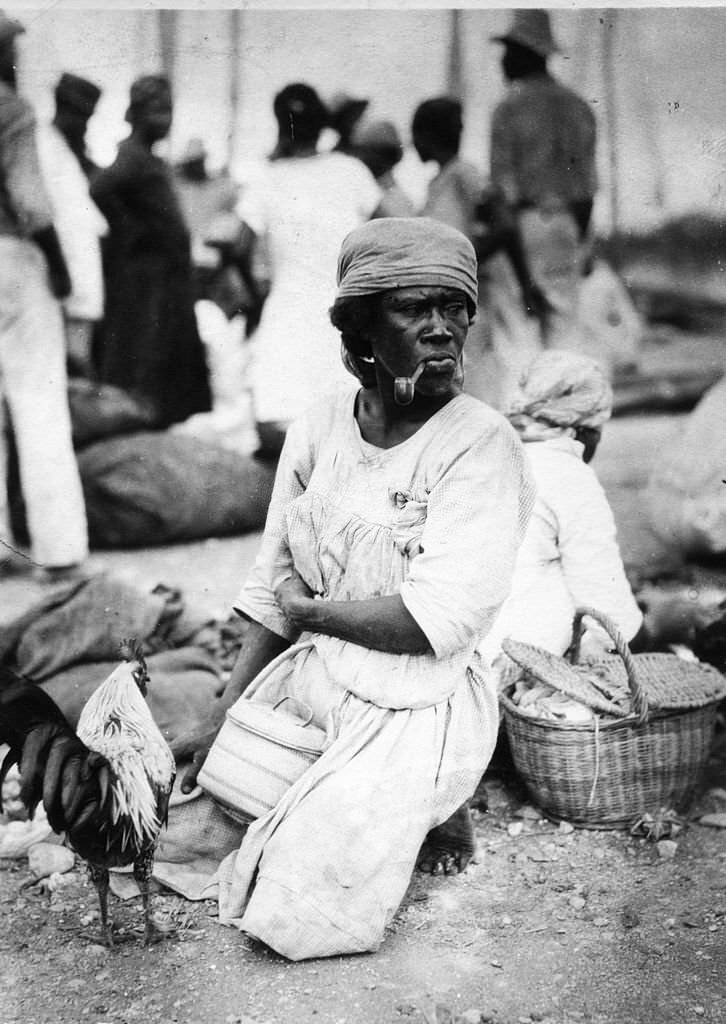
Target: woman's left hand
294,597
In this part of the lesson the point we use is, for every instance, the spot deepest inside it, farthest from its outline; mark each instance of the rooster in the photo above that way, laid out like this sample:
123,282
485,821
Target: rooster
107,785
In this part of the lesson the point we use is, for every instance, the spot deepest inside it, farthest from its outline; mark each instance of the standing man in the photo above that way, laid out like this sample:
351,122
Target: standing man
33,280
80,224
543,160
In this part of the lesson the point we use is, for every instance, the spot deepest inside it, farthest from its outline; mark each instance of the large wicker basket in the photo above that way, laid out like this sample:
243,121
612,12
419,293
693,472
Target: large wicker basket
605,774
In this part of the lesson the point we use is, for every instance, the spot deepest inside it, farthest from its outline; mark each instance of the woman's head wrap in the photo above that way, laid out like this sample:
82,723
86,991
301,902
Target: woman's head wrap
559,392
145,90
405,252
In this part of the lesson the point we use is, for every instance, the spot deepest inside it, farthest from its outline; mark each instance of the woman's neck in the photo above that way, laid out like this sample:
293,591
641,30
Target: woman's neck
385,424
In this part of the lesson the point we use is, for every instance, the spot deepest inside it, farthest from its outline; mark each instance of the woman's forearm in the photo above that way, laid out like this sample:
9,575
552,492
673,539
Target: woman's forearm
259,647
381,623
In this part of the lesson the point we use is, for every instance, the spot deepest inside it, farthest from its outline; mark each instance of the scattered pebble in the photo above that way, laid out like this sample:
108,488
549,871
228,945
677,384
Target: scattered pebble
514,828
46,859
699,1011
600,922
471,1017
577,902
666,848
715,820
565,829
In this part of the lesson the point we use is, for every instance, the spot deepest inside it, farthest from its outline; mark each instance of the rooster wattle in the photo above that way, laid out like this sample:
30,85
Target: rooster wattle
107,785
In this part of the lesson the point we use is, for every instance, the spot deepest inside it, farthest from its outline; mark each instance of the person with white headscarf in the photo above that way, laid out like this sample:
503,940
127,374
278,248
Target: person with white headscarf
570,554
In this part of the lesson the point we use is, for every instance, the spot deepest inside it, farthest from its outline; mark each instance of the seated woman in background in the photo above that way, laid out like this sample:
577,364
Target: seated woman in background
390,544
570,554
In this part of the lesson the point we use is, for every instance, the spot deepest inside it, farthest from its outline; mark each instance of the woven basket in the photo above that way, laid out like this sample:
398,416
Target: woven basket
261,749
607,774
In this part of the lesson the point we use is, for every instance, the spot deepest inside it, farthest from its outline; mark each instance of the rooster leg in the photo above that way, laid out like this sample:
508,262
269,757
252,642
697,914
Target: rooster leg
143,867
99,877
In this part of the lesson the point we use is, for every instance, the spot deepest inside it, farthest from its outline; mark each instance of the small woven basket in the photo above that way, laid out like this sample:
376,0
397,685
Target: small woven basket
607,774
261,749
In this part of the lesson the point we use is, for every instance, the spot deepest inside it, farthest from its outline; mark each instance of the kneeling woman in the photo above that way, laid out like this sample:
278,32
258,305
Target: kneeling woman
390,544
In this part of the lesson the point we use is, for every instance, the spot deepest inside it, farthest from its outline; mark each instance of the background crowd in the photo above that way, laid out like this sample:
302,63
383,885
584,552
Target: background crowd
195,302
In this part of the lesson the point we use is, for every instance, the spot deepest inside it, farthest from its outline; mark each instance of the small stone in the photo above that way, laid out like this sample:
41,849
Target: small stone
600,922
577,902
46,859
716,820
699,1011
718,793
495,963
471,1017
505,920
565,828
629,917
514,828
666,848
529,813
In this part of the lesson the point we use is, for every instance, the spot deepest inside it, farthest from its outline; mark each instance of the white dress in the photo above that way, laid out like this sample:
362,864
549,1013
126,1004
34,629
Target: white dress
569,557
301,209
436,519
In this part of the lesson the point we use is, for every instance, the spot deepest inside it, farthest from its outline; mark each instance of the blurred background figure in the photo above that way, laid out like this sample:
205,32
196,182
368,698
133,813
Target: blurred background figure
66,167
455,191
344,113
203,196
543,138
299,211
379,146
33,278
149,344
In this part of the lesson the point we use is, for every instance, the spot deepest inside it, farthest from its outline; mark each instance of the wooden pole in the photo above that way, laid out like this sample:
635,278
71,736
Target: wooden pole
454,69
235,35
167,42
611,114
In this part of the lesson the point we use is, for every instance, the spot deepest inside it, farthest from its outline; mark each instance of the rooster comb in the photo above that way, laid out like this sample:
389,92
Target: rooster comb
131,650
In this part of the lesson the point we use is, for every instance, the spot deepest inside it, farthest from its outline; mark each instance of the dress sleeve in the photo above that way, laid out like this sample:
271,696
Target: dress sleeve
476,517
274,561
591,561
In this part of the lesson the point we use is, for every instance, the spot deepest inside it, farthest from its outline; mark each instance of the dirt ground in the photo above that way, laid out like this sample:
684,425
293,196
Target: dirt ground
548,924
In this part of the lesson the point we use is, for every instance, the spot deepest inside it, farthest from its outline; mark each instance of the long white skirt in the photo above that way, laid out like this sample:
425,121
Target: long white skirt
323,873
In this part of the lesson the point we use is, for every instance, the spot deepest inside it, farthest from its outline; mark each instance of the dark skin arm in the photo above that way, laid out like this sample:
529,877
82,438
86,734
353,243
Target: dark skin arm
502,233
380,623
258,649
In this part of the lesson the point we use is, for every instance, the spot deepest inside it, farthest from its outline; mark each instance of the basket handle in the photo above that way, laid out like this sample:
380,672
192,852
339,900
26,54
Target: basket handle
640,701
263,674
282,700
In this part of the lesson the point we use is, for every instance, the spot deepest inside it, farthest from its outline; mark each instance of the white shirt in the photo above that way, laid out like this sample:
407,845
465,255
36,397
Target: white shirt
78,221
301,209
569,557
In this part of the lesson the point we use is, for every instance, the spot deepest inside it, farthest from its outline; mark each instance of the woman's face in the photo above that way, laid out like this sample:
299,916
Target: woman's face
426,323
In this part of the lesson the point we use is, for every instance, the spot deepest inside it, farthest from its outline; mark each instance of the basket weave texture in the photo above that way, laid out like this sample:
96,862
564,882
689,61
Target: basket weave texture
607,774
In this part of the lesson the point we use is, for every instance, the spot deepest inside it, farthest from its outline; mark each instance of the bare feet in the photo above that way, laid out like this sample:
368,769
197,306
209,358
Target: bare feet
449,847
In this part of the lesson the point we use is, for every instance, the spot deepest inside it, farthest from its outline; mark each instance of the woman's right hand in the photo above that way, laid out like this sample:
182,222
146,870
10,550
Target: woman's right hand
195,744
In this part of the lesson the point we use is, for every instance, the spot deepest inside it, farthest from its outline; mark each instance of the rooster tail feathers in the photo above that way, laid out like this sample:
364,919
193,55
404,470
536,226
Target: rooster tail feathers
60,751
9,760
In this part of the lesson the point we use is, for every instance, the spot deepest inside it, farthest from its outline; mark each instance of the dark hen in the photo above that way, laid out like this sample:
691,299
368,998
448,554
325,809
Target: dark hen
107,785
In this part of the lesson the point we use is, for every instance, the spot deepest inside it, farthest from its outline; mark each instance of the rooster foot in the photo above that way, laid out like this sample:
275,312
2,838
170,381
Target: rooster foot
106,937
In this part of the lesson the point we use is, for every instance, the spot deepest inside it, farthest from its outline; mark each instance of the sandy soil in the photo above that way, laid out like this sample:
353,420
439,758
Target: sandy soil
549,924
